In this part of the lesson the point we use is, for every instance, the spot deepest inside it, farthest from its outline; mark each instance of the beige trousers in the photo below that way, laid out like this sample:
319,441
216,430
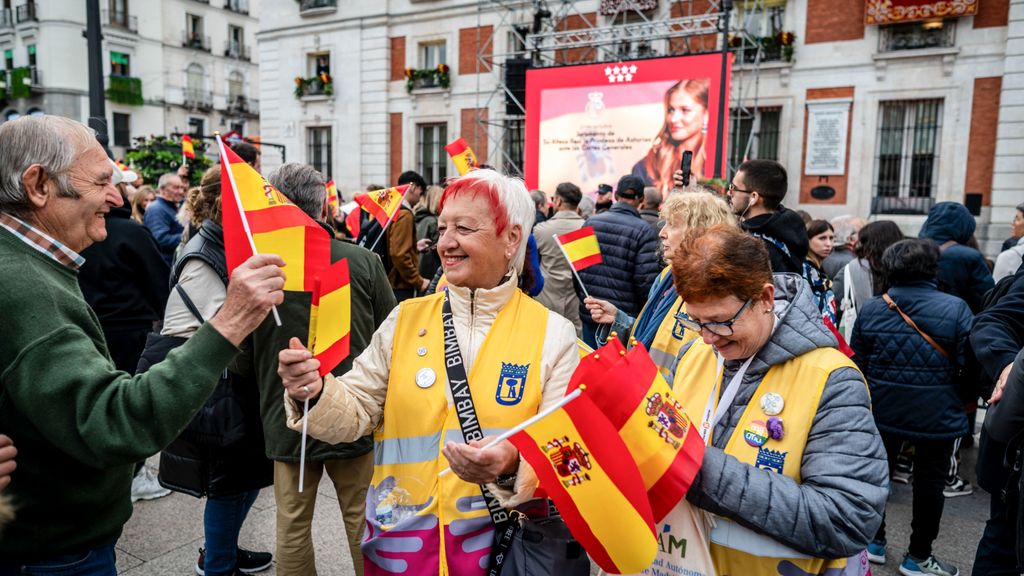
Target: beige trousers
351,477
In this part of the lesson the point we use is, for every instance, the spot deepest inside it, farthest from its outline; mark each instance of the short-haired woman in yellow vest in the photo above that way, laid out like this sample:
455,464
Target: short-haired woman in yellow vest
794,476
518,357
656,325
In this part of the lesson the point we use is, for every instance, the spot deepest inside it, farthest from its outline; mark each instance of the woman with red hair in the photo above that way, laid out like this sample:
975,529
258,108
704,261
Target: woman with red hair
686,119
518,356
794,471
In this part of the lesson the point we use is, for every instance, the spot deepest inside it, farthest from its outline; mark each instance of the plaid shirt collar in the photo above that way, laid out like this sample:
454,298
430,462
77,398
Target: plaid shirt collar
41,241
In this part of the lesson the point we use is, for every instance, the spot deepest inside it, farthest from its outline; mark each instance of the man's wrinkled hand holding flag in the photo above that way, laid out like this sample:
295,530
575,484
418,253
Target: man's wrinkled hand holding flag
636,399
257,218
462,156
586,469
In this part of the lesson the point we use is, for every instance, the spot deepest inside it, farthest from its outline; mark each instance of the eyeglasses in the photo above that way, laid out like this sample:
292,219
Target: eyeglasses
734,188
718,328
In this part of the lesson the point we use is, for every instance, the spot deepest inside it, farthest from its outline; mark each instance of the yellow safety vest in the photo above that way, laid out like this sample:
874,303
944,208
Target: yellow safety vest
420,524
736,550
670,336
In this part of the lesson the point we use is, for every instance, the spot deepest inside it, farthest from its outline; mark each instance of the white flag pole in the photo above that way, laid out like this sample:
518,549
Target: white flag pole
302,449
226,167
530,422
571,267
390,220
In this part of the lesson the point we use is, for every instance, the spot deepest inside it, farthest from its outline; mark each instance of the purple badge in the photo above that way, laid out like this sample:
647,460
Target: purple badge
775,429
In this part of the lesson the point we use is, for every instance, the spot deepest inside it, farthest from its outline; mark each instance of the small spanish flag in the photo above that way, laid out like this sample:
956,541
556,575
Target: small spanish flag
462,156
383,204
332,196
630,391
330,317
581,248
352,218
585,468
256,217
187,150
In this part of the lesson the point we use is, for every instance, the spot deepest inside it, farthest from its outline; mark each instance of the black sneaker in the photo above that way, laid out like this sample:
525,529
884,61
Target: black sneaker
248,562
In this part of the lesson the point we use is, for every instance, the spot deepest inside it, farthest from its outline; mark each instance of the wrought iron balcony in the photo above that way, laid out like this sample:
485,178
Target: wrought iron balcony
6,18
121,19
243,106
195,41
27,13
199,99
240,6
316,7
237,50
124,90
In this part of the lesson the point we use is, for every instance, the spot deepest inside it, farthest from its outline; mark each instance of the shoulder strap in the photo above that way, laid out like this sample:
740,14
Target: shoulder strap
189,303
892,306
458,383
947,245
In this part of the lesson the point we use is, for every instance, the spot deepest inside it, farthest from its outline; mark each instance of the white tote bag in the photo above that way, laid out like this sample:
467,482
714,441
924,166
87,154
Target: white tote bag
683,545
849,303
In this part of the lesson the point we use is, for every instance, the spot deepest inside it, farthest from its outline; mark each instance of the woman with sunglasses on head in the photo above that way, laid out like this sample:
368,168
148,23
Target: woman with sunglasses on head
656,326
794,472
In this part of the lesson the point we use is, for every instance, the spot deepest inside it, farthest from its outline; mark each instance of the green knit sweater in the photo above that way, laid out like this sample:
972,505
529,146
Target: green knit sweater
79,424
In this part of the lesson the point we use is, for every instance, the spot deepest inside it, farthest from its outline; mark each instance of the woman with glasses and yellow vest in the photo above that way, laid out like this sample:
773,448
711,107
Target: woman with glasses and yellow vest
656,326
794,477
461,365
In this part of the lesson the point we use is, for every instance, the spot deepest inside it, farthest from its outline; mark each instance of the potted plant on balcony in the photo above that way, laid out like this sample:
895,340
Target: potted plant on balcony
786,40
322,84
439,76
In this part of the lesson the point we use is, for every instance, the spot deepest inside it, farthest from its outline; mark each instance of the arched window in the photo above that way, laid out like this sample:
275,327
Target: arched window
236,85
194,80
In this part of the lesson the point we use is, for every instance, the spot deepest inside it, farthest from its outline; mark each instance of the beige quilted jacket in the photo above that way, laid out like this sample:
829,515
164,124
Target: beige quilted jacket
353,405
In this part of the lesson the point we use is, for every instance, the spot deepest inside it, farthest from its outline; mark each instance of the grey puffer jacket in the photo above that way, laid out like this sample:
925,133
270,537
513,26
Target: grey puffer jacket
835,512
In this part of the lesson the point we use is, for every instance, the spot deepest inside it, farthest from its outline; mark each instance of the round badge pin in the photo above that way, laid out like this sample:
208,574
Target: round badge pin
421,351
756,433
425,377
772,404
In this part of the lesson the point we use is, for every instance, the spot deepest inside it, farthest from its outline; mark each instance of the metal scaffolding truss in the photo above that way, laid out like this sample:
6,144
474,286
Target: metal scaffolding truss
556,33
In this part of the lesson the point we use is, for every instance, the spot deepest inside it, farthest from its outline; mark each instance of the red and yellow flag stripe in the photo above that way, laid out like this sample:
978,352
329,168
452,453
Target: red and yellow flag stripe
187,149
331,317
581,247
383,204
462,156
586,469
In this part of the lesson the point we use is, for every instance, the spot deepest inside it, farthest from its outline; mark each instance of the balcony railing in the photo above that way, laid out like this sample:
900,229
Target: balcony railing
27,13
240,6
315,7
243,106
901,205
195,41
121,19
125,90
237,50
6,18
199,99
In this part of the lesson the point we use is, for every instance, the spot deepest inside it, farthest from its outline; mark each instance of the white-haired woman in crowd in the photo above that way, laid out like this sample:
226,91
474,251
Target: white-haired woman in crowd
518,357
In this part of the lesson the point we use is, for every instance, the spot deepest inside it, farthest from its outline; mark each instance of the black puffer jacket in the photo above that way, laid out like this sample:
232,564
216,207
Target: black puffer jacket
221,451
630,265
962,269
784,235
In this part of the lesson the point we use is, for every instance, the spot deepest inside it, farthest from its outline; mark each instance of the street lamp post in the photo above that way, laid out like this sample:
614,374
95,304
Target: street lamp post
723,98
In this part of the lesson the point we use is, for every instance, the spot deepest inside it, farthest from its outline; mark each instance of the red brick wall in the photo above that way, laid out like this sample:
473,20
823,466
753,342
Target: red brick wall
982,143
398,58
992,13
692,44
576,55
474,133
834,20
470,41
395,147
839,183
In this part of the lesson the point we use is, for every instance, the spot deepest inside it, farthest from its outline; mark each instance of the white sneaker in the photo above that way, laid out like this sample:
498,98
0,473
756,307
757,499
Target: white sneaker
957,488
145,486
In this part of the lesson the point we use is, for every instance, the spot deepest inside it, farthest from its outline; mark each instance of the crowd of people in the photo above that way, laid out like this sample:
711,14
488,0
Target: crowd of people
819,360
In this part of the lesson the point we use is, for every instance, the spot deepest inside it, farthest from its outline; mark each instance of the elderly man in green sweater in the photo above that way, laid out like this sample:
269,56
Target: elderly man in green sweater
80,424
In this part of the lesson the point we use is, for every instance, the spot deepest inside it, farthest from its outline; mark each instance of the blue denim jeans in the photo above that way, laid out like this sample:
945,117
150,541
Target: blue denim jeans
222,521
98,562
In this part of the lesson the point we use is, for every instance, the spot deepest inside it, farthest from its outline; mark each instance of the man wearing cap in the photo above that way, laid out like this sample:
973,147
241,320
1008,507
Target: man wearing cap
604,201
629,252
